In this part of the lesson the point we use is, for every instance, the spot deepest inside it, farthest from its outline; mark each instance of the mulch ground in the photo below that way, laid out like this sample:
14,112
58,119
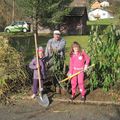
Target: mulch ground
97,96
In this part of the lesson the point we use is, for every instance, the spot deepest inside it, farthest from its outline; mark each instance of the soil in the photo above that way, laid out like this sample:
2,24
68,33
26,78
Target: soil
22,107
96,95
29,109
100,95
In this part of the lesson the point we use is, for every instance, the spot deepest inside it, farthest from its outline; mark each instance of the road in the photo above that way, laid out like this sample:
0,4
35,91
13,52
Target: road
31,110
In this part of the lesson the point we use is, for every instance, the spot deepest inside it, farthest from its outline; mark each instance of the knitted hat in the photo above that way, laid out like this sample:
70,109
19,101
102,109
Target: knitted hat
40,49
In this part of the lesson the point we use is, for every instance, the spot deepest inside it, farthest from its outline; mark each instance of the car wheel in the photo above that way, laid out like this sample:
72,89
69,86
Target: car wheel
24,30
7,30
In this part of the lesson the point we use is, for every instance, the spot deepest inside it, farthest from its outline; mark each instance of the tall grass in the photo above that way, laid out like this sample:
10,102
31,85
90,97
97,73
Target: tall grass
104,52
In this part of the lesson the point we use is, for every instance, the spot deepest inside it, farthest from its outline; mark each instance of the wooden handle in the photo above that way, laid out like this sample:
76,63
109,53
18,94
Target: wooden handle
39,76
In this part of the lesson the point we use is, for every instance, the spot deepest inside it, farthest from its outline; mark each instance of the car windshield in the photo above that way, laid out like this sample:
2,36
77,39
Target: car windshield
17,23
20,23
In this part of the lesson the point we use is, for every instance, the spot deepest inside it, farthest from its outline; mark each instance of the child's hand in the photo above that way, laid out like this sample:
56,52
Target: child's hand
37,66
85,68
69,74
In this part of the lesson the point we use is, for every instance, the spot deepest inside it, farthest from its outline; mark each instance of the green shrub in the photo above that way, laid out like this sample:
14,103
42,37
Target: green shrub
105,54
59,69
12,69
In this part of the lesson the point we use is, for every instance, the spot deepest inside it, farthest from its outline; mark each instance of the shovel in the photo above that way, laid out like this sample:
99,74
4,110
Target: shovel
75,74
42,98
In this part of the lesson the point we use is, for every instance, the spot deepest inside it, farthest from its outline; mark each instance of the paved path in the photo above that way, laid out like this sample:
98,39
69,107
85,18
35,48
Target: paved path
31,110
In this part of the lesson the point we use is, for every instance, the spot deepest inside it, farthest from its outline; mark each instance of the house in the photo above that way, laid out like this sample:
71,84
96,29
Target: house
99,14
75,22
105,4
99,4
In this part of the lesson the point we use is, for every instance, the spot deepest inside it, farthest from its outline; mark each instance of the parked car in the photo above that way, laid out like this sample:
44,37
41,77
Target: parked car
18,26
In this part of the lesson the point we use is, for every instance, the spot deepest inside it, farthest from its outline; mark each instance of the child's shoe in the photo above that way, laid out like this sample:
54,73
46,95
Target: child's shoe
83,98
33,96
72,97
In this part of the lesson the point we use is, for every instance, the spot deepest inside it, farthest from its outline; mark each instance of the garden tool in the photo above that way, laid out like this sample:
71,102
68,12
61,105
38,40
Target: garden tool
42,98
59,83
75,74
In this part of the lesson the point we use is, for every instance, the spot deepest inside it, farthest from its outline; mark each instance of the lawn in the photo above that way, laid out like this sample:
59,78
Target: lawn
25,44
111,21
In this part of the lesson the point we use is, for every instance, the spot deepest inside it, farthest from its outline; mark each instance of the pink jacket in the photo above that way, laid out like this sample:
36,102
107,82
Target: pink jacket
78,61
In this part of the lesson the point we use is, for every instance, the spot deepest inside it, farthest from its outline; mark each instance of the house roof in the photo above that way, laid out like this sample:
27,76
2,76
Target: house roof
78,3
96,5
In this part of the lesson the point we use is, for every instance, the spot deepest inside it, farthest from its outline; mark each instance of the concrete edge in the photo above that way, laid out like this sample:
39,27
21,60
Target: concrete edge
87,102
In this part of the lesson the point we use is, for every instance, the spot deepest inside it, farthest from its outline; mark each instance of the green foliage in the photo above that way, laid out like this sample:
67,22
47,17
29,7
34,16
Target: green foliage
48,12
58,68
90,1
11,67
105,53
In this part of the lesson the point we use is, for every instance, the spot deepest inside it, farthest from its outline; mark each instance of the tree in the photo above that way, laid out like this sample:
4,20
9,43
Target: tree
46,12
13,12
90,1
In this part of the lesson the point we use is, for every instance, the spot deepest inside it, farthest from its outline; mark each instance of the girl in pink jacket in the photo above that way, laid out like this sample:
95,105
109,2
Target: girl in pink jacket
79,60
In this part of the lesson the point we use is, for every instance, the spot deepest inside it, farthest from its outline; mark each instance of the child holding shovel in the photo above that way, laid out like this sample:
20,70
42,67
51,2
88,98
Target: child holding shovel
33,66
79,60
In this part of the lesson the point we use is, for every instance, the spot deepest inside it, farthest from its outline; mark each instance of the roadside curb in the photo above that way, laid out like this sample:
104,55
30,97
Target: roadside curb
87,102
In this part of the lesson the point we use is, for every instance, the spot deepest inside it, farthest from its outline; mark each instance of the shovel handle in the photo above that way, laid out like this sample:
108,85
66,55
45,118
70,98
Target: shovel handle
39,76
75,74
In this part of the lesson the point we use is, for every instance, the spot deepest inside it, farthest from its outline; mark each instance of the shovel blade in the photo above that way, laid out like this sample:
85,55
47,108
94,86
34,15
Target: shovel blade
44,101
